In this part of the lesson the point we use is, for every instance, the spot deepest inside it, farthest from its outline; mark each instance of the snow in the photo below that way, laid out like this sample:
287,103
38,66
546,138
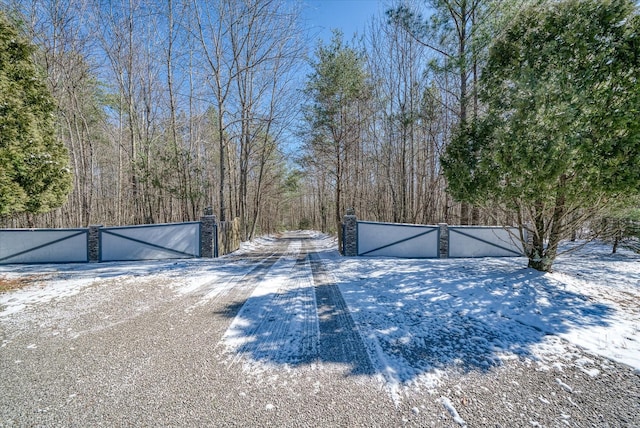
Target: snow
452,411
17,301
417,319
473,313
564,386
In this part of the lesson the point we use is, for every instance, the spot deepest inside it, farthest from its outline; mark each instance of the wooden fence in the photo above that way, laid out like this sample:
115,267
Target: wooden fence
228,236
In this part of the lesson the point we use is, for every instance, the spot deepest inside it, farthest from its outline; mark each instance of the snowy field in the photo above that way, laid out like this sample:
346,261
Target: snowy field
416,320
422,317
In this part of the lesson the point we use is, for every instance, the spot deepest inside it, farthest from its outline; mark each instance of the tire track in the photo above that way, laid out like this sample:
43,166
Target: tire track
296,315
340,341
278,323
228,298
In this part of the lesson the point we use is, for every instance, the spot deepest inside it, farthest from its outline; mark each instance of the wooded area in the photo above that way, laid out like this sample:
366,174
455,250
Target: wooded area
170,107
153,95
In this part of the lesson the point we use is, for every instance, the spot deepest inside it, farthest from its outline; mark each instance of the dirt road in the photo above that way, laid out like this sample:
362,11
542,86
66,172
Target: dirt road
259,339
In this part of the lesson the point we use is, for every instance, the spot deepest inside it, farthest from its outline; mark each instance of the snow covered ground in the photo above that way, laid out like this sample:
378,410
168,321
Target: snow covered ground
417,319
422,317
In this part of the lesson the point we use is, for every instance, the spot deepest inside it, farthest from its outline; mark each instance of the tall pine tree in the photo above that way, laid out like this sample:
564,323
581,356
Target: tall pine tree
34,164
338,82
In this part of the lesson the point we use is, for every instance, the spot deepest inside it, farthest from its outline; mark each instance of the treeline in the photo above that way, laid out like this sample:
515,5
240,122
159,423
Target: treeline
382,108
174,106
171,107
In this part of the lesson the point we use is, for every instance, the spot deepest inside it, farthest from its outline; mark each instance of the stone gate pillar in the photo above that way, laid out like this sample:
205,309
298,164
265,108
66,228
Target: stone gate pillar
444,240
350,235
208,236
94,243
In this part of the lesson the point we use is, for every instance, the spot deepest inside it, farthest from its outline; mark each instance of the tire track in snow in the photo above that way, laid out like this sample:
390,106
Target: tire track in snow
228,297
340,341
297,315
278,322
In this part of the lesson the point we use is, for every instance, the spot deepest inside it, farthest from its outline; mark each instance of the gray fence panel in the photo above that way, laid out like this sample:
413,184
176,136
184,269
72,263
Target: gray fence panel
397,240
484,241
43,246
150,242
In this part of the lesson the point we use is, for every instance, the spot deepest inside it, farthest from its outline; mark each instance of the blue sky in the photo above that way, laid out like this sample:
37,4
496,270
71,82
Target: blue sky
348,15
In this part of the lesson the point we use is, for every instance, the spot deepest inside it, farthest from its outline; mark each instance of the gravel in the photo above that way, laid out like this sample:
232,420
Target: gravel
131,351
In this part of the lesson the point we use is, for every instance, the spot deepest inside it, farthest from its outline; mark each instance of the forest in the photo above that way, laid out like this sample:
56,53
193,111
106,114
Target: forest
170,108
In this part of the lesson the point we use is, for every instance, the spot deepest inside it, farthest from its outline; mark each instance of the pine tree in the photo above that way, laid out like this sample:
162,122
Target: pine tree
561,134
34,164
336,85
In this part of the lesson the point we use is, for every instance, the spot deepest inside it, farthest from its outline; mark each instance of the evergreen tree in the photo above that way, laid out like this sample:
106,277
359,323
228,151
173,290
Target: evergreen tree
34,172
561,134
337,84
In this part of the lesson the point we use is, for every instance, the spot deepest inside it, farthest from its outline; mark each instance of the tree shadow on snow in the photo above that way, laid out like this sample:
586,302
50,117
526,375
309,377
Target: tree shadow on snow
403,318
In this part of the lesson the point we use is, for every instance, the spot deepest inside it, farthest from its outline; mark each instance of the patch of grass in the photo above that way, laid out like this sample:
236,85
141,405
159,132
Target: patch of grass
8,284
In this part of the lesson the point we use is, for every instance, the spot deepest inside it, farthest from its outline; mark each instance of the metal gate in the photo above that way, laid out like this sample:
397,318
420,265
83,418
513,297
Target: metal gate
43,246
479,241
398,240
150,242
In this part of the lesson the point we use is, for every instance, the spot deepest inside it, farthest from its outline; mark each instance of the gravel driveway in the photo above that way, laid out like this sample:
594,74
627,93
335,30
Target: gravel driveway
130,348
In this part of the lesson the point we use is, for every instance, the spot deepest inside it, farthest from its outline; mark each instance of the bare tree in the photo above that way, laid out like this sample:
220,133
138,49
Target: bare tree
250,49
59,28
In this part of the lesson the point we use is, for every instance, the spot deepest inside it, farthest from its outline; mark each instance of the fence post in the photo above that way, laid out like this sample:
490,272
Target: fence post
94,243
208,236
350,234
444,240
216,242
